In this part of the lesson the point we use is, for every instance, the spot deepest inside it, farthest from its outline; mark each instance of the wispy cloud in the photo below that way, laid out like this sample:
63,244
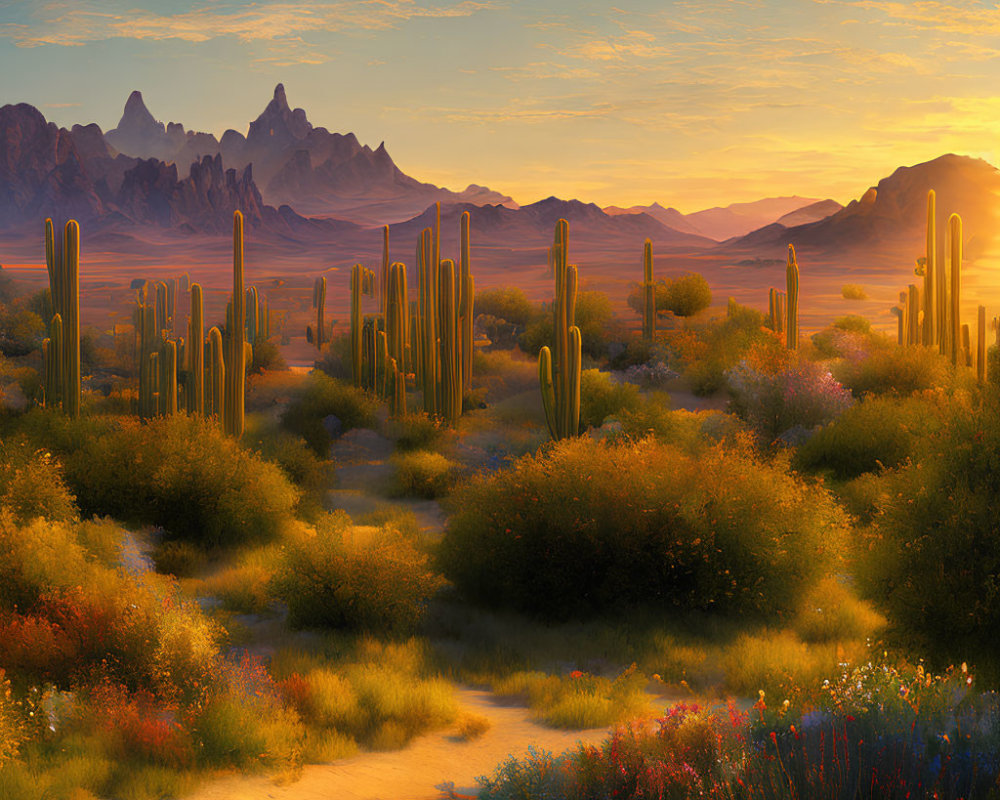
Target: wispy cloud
966,17
70,24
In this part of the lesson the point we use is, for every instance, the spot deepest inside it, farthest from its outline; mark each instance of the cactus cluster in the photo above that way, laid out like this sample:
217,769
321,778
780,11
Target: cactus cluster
932,317
432,337
560,377
62,348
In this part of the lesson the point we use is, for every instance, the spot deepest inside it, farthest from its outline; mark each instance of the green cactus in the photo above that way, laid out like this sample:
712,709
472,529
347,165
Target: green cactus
168,378
451,372
467,302
64,287
397,316
318,336
215,388
648,293
362,283
912,315
53,363
930,275
792,282
383,274
429,273
195,394
233,414
560,381
397,404
955,312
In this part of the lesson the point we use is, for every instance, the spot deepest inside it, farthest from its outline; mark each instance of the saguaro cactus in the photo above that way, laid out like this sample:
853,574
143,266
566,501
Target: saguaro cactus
362,283
168,378
64,286
217,371
930,275
792,282
236,372
981,344
955,315
467,299
649,293
912,315
451,372
195,393
318,336
560,383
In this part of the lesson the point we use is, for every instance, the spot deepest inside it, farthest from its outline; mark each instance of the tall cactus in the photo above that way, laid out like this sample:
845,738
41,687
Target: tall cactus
912,315
53,364
397,316
318,336
168,378
429,270
195,394
362,283
217,371
649,294
383,274
451,371
397,403
560,382
233,415
792,284
467,300
955,313
930,275
64,286
981,344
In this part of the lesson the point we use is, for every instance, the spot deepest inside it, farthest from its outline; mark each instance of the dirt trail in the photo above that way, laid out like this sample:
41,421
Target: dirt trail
416,772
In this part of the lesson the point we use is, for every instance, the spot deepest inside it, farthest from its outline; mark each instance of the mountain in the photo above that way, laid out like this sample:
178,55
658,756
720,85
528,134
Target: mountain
811,213
47,171
739,219
670,217
320,172
530,227
893,214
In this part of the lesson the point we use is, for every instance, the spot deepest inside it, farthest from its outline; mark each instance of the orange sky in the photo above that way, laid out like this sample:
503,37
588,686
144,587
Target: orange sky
688,103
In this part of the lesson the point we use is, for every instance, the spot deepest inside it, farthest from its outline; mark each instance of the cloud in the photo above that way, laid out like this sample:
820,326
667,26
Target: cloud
82,23
968,18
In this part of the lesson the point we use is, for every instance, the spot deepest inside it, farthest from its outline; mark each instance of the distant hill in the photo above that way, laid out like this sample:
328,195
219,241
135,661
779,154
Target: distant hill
811,213
893,213
319,172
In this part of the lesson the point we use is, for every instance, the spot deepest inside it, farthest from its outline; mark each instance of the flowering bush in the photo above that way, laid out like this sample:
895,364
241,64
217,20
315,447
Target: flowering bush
803,394
651,375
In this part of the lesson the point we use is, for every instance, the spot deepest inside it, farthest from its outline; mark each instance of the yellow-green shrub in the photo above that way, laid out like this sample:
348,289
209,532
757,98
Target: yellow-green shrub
422,474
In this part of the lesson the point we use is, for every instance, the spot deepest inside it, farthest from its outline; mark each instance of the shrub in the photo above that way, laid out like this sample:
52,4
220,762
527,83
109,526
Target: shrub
593,318
341,576
683,296
422,474
894,370
851,291
417,431
801,395
850,336
601,396
932,555
586,526
32,483
248,731
830,612
267,357
507,303
325,407
876,433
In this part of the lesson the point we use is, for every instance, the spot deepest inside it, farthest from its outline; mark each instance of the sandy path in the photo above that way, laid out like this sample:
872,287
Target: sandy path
415,772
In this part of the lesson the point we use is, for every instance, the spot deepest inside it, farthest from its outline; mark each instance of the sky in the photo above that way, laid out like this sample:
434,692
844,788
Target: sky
689,103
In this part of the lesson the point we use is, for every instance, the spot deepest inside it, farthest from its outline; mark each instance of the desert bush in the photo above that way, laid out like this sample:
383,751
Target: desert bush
891,369
21,330
32,482
852,291
587,526
704,355
335,359
245,732
850,336
601,396
803,394
267,357
507,303
593,318
422,473
504,373
873,434
340,576
831,612
416,431
683,296
300,464
181,473
324,406
931,557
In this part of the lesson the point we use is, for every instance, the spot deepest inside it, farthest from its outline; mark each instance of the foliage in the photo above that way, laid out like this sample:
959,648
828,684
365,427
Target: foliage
416,431
803,394
593,318
849,336
267,357
852,291
683,296
507,303
587,525
704,355
324,404
422,473
874,434
178,472
891,369
932,555
21,330
340,576
601,396
32,483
